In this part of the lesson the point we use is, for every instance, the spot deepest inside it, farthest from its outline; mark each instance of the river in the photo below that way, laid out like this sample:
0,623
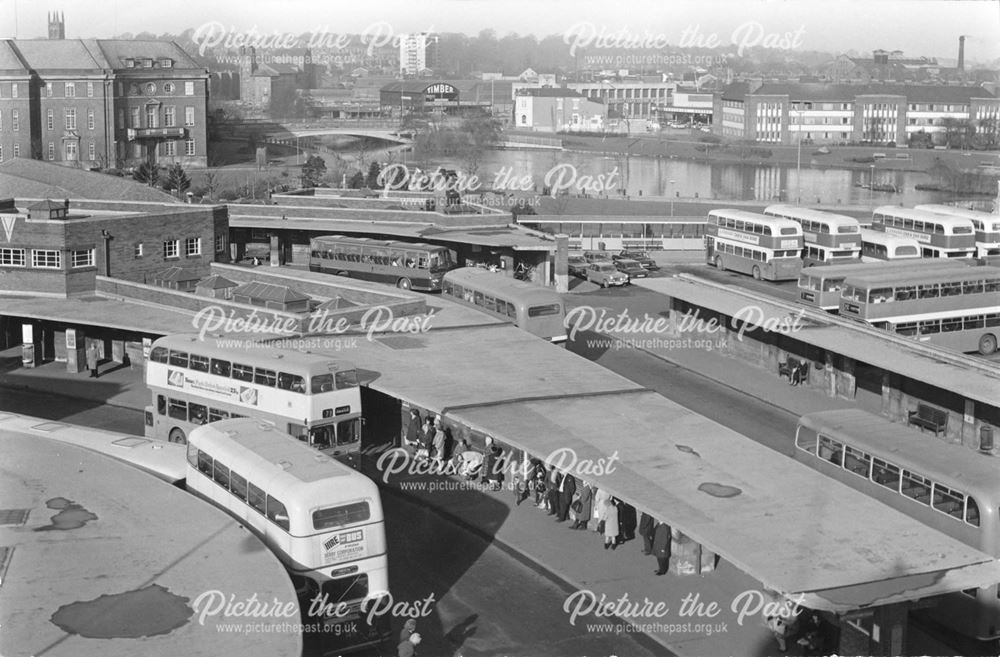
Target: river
643,176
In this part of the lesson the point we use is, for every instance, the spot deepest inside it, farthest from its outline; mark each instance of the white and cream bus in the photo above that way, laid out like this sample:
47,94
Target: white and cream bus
321,518
195,382
765,247
987,226
829,239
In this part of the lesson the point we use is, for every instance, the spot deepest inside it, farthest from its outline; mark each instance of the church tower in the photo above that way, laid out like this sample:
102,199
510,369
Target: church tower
57,25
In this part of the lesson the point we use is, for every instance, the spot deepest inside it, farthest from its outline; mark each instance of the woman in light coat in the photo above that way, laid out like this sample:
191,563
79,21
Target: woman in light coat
610,524
600,502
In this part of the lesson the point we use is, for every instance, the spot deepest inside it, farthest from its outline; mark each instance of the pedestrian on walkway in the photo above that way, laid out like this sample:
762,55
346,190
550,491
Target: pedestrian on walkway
661,547
409,627
426,438
600,502
555,481
567,488
93,356
585,506
539,487
626,521
440,440
411,439
611,524
408,648
491,464
646,528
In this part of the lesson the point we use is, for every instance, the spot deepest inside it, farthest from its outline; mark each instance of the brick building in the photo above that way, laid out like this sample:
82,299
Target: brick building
52,247
102,102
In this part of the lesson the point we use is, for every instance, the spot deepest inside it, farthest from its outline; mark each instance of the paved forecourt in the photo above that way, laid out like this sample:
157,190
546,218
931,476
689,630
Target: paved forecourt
102,558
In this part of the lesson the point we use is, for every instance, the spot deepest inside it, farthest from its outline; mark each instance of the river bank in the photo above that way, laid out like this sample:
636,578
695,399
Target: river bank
686,145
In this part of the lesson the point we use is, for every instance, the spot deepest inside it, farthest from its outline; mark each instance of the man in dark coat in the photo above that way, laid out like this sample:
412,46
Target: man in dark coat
555,481
661,547
566,492
412,436
586,507
646,528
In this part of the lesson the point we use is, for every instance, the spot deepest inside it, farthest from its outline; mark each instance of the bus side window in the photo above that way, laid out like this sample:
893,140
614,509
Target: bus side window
264,377
204,463
197,414
292,382
805,439
256,498
831,450
220,367
277,513
179,358
199,363
238,486
322,383
242,372
214,415
971,512
192,455
161,404
178,409
159,355
221,475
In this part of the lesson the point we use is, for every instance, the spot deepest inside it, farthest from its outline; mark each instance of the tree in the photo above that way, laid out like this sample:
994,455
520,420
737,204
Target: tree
313,170
211,184
357,181
177,179
147,173
371,182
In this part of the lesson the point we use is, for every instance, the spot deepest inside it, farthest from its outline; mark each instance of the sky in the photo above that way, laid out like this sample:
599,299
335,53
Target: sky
917,27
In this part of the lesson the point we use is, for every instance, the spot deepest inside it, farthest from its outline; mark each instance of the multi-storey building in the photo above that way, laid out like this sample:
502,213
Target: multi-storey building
874,113
628,99
417,53
102,102
558,110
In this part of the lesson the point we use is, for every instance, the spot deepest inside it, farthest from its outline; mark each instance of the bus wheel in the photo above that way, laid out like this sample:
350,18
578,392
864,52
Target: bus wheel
404,284
177,436
756,272
718,263
987,344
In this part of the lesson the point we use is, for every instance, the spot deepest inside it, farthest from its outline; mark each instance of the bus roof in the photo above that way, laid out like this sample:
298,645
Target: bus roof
368,241
255,353
916,265
913,277
908,448
813,215
744,215
878,237
922,215
492,282
261,445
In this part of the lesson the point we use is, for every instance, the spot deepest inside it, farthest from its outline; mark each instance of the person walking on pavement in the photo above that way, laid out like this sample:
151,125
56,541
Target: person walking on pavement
646,528
408,648
600,502
92,358
610,524
567,489
412,436
661,547
586,507
439,441
555,481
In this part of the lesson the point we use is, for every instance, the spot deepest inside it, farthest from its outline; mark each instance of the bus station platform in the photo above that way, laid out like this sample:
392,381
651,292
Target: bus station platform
89,568
847,359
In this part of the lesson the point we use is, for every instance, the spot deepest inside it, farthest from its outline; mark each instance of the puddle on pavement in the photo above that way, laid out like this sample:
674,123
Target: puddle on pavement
71,515
144,612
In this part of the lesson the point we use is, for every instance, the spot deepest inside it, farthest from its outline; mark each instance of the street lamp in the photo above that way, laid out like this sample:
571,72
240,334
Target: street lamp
871,185
672,197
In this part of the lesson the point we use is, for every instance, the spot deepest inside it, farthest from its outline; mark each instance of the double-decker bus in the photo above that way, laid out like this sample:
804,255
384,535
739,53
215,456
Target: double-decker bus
987,226
322,519
953,490
829,239
957,309
195,382
877,246
939,236
407,265
532,308
820,287
764,247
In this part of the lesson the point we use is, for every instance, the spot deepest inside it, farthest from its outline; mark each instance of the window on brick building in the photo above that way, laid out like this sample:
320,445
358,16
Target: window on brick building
171,249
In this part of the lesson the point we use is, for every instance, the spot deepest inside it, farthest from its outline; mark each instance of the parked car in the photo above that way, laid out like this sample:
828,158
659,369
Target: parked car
577,265
605,274
630,268
639,256
597,256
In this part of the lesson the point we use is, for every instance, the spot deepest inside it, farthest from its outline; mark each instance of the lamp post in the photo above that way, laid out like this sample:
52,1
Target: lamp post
798,161
871,185
672,197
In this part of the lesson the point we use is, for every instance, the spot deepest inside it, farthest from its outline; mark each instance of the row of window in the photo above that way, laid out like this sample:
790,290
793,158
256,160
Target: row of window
45,258
153,117
493,304
243,490
826,254
906,292
946,325
907,483
384,257
69,88
881,251
623,230
812,226
918,226
69,119
757,227
185,411
250,374
150,88
171,248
